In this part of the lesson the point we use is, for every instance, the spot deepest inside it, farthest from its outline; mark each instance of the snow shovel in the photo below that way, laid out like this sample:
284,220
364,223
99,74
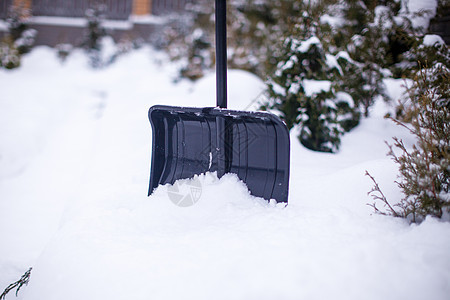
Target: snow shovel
189,141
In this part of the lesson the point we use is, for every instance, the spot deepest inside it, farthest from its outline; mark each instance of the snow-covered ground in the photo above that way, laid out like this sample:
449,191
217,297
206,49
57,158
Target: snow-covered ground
74,167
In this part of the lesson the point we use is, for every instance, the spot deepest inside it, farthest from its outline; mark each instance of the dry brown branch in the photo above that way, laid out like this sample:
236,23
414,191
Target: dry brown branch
377,194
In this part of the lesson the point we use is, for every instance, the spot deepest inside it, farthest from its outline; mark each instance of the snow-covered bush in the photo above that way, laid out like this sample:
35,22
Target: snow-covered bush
189,38
428,50
18,31
425,169
253,28
375,34
364,70
95,32
303,89
63,51
308,87
19,38
359,44
98,44
9,55
26,41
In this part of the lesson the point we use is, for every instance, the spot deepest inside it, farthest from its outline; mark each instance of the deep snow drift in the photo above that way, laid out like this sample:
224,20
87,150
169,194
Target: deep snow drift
74,162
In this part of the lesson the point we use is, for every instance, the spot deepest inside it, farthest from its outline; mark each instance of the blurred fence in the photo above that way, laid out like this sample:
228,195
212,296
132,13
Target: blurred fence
161,7
115,9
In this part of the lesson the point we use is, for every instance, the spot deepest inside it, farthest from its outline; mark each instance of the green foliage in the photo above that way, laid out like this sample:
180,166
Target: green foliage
98,44
366,37
425,169
425,49
307,86
258,27
18,40
360,43
254,27
95,32
18,31
363,81
9,54
189,39
261,35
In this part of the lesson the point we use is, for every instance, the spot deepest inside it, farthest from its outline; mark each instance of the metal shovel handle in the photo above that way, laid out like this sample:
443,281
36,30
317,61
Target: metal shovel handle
221,53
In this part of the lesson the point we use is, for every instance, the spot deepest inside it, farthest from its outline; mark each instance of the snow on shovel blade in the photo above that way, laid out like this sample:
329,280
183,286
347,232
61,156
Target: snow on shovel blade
190,141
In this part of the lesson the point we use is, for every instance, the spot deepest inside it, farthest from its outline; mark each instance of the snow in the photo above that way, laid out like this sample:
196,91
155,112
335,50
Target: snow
346,98
46,20
381,13
78,22
3,26
148,19
314,87
332,63
333,21
74,161
432,39
396,88
411,8
344,55
305,45
294,88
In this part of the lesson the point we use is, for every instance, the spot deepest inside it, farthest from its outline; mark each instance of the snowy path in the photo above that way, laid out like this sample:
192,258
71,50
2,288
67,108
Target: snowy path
74,161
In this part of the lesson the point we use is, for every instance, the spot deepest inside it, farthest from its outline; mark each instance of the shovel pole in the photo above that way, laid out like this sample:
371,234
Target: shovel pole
221,53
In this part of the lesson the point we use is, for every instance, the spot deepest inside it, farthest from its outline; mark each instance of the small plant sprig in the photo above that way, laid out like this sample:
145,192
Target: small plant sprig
378,195
19,283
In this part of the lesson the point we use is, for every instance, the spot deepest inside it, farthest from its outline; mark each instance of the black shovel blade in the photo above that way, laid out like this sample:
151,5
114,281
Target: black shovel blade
190,141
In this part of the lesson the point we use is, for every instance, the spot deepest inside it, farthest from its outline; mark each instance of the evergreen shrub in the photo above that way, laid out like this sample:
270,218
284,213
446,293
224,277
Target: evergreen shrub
425,169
